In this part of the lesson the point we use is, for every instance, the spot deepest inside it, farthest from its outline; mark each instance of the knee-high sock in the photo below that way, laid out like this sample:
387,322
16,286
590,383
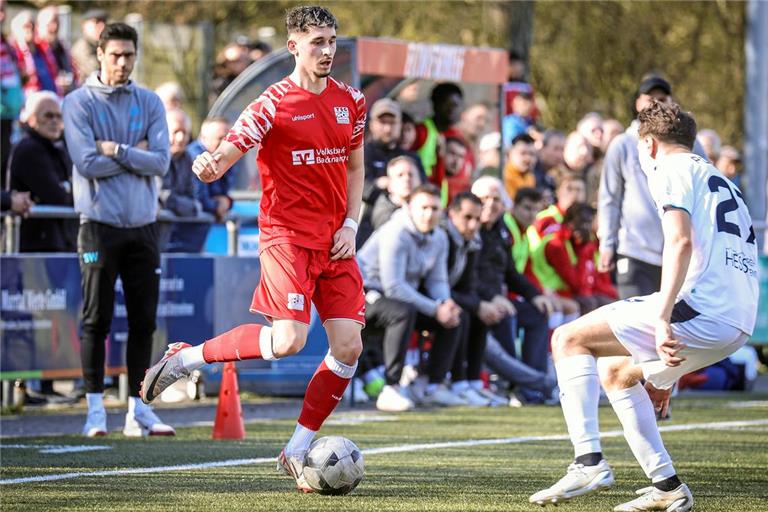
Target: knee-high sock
635,411
324,391
247,341
579,397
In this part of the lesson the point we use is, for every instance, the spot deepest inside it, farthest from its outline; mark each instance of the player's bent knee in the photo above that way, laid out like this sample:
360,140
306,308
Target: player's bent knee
348,350
565,342
286,342
618,373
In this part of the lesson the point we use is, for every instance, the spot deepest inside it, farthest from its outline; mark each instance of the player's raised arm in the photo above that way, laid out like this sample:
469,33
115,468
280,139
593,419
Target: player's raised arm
210,167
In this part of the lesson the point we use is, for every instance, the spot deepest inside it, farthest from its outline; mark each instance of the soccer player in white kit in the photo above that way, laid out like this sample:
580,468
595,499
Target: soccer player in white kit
705,310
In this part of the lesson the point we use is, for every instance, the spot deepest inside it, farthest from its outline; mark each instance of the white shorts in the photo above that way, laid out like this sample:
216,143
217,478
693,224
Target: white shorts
707,341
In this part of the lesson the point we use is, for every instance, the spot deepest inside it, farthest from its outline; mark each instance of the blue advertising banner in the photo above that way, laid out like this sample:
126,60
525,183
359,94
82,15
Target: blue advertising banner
41,300
200,296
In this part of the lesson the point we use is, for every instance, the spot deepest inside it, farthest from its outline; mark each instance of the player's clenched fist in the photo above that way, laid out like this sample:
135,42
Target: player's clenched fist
206,167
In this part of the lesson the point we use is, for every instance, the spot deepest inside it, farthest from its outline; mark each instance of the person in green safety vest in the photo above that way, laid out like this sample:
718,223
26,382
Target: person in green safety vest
564,261
447,104
519,220
571,189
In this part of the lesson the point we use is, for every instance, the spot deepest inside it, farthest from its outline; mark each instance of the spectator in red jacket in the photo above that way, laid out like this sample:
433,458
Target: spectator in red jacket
570,252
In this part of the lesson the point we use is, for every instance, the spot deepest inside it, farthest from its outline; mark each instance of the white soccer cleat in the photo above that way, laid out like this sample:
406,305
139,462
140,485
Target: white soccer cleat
443,397
579,480
651,498
392,399
294,466
165,372
144,422
95,423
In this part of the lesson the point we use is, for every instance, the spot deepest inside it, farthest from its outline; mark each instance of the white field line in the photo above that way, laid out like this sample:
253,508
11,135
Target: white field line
56,448
723,425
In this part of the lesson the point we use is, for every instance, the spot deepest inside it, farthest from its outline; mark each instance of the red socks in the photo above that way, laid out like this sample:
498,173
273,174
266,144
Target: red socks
240,343
325,391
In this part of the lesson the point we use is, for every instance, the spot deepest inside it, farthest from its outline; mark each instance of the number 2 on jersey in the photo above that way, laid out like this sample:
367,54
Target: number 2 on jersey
727,206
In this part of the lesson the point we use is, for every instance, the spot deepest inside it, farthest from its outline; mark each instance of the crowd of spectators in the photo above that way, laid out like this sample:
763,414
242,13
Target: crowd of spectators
474,242
477,240
37,69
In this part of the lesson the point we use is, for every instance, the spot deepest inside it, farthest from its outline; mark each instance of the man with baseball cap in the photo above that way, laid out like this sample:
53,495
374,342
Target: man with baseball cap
629,228
385,122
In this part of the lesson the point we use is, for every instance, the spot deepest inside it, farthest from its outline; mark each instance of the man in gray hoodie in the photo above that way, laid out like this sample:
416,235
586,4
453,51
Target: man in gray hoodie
118,140
629,228
405,262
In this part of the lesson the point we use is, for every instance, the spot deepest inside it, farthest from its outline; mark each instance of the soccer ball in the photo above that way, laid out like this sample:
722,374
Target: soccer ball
334,465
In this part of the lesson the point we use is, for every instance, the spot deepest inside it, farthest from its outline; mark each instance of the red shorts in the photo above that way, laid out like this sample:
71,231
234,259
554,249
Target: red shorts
292,276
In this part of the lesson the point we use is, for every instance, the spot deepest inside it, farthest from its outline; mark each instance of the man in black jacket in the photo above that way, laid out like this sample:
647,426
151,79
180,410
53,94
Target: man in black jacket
40,165
385,122
462,226
498,278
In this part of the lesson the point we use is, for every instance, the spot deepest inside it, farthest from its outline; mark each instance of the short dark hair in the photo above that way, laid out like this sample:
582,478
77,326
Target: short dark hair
118,32
442,90
522,137
455,140
527,194
425,188
667,122
577,213
300,18
464,196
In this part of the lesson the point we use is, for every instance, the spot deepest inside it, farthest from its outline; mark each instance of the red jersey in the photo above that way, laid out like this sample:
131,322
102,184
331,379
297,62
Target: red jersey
305,141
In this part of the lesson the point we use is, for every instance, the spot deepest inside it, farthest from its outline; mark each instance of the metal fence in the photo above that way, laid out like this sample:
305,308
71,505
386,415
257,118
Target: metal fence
13,222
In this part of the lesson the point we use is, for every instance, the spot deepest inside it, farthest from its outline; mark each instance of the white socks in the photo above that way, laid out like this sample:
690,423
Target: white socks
265,344
192,357
95,401
579,397
635,411
300,440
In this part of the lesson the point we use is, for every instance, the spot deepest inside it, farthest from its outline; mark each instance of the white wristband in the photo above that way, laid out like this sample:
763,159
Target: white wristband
350,223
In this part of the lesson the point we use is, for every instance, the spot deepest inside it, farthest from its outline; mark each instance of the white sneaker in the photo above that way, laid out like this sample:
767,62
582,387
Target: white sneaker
144,422
651,498
443,397
392,399
473,397
579,480
95,423
494,400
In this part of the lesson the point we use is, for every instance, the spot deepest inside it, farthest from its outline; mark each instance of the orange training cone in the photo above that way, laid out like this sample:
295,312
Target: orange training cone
229,413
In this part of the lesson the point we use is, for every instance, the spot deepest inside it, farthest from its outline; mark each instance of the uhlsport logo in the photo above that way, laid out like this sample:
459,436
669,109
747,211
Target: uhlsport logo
342,115
303,157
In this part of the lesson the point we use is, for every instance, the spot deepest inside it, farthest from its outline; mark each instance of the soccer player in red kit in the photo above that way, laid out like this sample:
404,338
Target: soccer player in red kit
309,132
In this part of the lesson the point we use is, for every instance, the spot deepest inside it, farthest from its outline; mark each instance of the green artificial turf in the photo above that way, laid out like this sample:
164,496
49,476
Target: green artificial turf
727,469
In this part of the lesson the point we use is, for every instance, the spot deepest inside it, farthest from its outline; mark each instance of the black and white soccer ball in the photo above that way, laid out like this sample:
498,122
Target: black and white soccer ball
334,465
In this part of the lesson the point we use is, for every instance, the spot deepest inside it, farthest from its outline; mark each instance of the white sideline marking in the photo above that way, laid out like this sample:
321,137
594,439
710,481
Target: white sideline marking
57,448
722,425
